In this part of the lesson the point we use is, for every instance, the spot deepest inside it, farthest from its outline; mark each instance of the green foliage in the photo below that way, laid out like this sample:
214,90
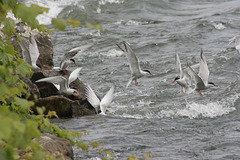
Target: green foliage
59,23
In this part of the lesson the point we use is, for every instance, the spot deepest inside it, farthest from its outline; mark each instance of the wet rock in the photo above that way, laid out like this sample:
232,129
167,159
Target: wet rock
61,105
45,49
53,144
32,88
64,107
48,89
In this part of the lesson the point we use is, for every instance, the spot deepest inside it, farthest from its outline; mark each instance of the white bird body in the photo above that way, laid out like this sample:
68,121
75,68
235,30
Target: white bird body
95,101
30,55
72,77
62,81
66,60
201,79
185,79
136,71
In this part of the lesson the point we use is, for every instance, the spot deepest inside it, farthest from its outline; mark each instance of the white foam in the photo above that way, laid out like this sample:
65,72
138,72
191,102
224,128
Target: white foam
209,110
219,26
103,2
112,53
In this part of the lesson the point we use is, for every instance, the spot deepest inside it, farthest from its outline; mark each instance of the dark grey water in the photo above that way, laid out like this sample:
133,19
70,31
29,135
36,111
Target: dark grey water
155,116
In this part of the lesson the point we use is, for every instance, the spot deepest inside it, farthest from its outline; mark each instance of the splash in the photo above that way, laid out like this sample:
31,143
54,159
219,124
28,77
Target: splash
112,53
209,110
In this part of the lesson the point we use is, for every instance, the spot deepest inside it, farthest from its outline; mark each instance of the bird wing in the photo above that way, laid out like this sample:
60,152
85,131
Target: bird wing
25,51
132,59
107,99
33,49
178,64
198,80
62,81
187,77
92,98
74,75
70,54
203,69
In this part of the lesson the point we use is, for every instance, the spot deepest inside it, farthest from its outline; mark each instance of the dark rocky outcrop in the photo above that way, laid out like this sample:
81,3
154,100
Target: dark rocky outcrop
53,144
73,106
45,48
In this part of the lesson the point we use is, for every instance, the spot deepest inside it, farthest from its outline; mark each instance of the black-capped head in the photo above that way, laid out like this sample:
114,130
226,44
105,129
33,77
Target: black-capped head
211,83
73,61
177,78
41,68
148,71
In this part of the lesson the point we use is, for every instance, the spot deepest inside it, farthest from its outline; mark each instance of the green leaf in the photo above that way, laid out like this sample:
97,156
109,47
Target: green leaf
132,158
89,25
4,90
23,68
110,154
9,27
147,155
28,14
82,145
59,23
23,103
105,158
74,23
95,144
5,58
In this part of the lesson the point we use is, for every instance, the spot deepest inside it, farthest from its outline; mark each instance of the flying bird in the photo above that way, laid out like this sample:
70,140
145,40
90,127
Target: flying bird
185,79
136,71
67,58
62,83
95,101
201,80
30,52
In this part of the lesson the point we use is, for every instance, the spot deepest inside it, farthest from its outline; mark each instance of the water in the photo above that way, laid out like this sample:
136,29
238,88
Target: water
155,116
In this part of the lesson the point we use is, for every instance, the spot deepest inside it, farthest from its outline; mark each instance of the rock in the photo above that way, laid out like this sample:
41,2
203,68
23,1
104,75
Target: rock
32,88
61,105
45,49
53,144
64,107
48,89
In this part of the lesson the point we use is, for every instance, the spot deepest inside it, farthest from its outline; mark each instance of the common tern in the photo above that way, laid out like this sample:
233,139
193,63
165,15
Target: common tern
61,83
72,77
136,71
31,53
201,80
185,79
67,58
95,101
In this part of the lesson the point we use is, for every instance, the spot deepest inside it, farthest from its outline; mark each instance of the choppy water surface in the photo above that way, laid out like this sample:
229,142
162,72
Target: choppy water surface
155,116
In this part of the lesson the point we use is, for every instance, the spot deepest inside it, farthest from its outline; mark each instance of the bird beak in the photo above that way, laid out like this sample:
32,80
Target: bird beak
75,64
151,74
215,85
174,81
